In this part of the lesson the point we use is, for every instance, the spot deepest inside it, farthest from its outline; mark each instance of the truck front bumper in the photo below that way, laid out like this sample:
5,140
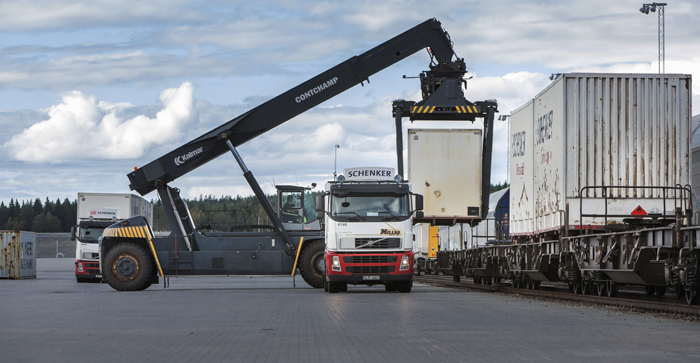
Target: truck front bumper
369,268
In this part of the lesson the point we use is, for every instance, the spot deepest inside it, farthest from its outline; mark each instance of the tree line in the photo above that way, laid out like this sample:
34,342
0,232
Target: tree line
35,216
221,214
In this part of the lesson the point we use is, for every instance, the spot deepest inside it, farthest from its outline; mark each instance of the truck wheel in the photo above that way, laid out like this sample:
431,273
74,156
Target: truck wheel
343,287
312,264
333,287
128,268
404,286
390,286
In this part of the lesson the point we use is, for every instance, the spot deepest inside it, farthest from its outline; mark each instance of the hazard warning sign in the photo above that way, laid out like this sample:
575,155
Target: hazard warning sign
639,211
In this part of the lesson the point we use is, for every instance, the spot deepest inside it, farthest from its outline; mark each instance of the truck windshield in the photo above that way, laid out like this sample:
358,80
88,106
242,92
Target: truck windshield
90,234
369,207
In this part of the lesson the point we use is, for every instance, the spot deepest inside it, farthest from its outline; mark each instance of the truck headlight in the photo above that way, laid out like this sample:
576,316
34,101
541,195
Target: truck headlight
80,267
335,263
405,260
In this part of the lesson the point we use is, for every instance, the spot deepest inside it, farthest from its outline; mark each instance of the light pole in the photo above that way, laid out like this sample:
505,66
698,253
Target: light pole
335,163
662,31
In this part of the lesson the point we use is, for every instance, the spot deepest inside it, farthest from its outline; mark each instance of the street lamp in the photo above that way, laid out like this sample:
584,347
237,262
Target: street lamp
662,32
335,163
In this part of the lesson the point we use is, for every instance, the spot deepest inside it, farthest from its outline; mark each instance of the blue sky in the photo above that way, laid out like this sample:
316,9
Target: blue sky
90,89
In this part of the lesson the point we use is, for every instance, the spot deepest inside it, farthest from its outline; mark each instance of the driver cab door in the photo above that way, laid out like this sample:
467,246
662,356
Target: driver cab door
296,208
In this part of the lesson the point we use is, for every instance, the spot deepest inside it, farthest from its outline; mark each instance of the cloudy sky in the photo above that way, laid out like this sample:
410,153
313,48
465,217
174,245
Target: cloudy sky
91,89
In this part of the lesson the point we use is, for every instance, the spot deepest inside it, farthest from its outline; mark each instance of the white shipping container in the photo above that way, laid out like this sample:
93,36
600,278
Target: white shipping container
591,130
17,255
444,165
116,206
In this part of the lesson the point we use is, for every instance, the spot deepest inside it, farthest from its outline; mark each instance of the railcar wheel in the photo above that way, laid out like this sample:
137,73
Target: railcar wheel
660,291
455,278
611,288
312,264
649,290
586,287
127,267
692,297
577,287
537,284
602,291
678,292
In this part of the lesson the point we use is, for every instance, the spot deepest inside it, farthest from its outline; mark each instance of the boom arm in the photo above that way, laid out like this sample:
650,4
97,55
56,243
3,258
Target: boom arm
292,103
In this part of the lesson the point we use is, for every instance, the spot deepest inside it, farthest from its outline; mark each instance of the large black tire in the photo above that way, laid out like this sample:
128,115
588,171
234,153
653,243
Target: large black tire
333,287
405,286
127,267
312,263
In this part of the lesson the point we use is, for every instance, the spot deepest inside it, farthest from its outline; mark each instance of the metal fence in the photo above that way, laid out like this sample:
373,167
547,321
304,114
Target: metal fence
56,245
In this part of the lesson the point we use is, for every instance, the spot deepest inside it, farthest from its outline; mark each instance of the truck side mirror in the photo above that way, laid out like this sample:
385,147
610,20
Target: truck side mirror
419,202
419,214
72,233
320,206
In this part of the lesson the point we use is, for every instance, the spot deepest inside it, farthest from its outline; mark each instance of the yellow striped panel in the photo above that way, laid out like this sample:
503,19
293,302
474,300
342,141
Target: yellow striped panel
458,110
432,109
464,109
414,109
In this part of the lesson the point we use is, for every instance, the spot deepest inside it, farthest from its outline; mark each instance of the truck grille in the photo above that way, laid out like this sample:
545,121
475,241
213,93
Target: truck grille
370,259
370,269
384,243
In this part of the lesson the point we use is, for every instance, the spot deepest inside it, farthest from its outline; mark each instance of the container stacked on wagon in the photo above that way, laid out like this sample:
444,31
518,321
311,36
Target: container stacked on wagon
600,194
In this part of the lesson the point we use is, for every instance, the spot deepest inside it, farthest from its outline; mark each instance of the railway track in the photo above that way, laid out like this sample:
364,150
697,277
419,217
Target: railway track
629,298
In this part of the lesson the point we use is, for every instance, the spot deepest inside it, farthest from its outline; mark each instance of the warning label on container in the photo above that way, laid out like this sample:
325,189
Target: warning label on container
639,211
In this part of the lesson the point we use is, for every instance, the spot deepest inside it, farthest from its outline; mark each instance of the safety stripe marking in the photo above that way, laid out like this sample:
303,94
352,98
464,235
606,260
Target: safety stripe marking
432,109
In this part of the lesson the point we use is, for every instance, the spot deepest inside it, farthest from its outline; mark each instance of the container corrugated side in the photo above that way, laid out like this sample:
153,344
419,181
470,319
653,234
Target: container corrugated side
444,165
18,260
594,130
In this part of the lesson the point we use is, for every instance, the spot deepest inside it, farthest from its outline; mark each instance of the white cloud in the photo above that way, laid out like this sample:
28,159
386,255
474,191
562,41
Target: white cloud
83,128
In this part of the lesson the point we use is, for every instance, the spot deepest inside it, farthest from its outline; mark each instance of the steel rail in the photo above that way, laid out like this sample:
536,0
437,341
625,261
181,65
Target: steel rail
556,293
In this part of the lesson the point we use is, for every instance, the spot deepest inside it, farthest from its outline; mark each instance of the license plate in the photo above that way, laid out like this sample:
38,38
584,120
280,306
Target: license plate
370,277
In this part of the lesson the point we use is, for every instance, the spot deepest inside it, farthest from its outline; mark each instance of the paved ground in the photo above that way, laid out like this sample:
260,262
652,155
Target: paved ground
263,319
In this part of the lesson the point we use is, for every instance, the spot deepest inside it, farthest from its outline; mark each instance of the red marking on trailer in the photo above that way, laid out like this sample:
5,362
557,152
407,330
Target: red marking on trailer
639,211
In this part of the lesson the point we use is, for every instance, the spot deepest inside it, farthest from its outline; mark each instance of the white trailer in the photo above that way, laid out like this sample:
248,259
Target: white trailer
96,211
444,165
613,140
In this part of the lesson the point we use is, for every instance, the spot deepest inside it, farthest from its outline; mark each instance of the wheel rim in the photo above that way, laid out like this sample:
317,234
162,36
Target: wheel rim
691,297
318,265
126,267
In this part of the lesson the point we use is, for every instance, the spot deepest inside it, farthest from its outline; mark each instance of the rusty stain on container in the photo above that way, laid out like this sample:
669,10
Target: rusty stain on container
605,130
17,258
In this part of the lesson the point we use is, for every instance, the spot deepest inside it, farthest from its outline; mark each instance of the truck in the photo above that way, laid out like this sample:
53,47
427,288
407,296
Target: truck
368,215
96,211
132,257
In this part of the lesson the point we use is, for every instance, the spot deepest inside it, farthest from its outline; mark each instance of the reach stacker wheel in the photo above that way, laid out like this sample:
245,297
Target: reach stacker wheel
312,264
127,267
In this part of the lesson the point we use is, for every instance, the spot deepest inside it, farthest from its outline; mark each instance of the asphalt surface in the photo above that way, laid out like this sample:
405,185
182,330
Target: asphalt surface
264,319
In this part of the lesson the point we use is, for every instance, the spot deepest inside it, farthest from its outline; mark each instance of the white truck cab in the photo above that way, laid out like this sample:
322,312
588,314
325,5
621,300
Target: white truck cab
368,215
